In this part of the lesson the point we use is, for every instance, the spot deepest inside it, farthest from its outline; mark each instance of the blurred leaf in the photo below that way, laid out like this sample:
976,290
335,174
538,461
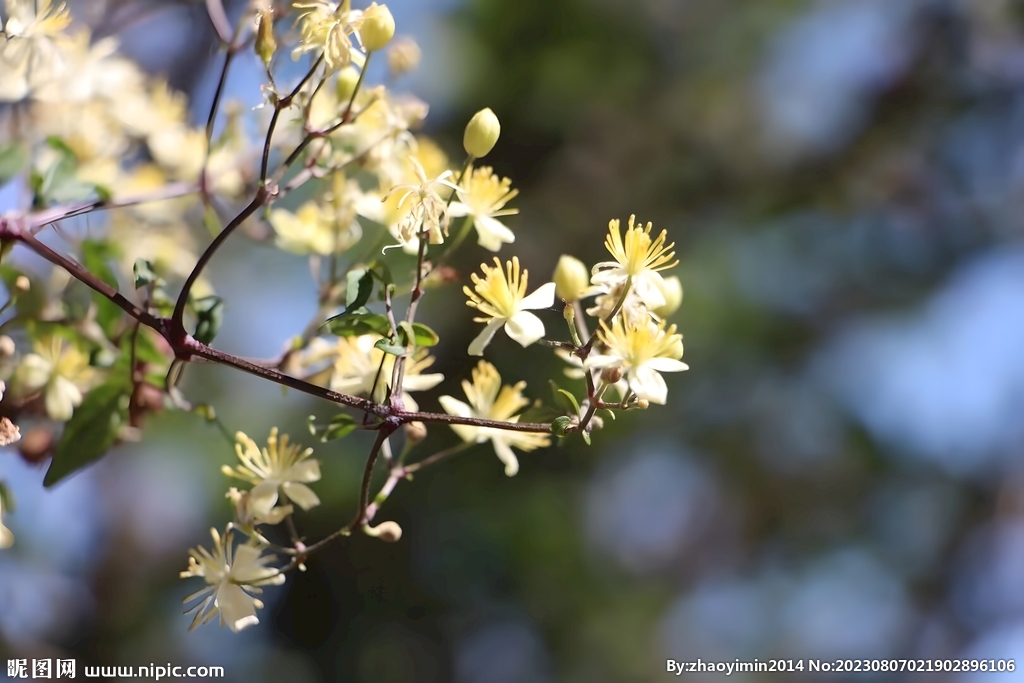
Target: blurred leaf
358,322
341,425
90,432
421,334
560,424
144,274
358,288
210,313
563,399
95,255
12,160
387,346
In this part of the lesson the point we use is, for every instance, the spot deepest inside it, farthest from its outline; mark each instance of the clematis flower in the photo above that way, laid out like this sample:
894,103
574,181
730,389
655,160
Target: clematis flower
482,198
638,258
426,211
358,362
490,400
60,370
233,576
641,351
280,466
327,27
501,296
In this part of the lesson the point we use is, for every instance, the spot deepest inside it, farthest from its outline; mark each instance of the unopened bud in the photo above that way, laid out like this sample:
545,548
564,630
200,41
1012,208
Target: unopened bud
571,278
265,45
36,444
403,56
6,346
415,432
481,134
22,284
611,375
347,80
672,289
389,532
378,27
643,404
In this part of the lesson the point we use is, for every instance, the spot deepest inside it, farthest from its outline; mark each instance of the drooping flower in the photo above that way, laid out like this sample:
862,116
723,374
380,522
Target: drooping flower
488,399
641,351
483,197
427,212
279,466
638,258
234,576
59,369
501,296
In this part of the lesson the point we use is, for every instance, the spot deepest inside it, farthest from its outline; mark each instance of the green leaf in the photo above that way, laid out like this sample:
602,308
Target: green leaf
572,399
358,322
144,274
210,313
12,159
560,424
358,288
6,498
421,334
341,425
211,220
586,436
95,257
90,432
387,346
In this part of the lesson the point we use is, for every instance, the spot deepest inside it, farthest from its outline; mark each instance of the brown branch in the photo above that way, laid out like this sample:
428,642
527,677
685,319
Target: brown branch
39,219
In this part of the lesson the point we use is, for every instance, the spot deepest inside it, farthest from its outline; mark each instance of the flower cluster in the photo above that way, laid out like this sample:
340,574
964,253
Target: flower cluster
339,174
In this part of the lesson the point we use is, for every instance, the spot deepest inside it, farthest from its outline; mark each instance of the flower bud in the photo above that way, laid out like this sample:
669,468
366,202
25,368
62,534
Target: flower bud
347,80
389,532
378,27
22,284
643,404
611,375
672,289
415,432
36,444
403,56
6,346
571,278
481,134
265,44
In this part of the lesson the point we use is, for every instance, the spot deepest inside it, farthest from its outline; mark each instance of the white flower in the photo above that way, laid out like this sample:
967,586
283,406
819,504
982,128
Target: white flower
483,197
641,351
358,361
638,258
281,466
426,211
502,299
490,400
234,578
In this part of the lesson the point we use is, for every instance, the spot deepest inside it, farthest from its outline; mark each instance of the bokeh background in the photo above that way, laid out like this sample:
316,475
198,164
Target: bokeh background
837,476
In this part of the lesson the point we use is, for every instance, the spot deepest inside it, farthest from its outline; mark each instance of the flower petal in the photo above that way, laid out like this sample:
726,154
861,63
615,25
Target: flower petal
477,346
263,497
544,297
237,608
454,406
506,455
666,365
492,233
648,385
301,495
525,328
306,471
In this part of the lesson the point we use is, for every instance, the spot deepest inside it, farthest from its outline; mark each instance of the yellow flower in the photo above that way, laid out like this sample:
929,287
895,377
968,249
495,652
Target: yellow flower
483,197
638,258
642,351
377,27
31,46
501,296
58,368
234,576
316,229
488,399
281,466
